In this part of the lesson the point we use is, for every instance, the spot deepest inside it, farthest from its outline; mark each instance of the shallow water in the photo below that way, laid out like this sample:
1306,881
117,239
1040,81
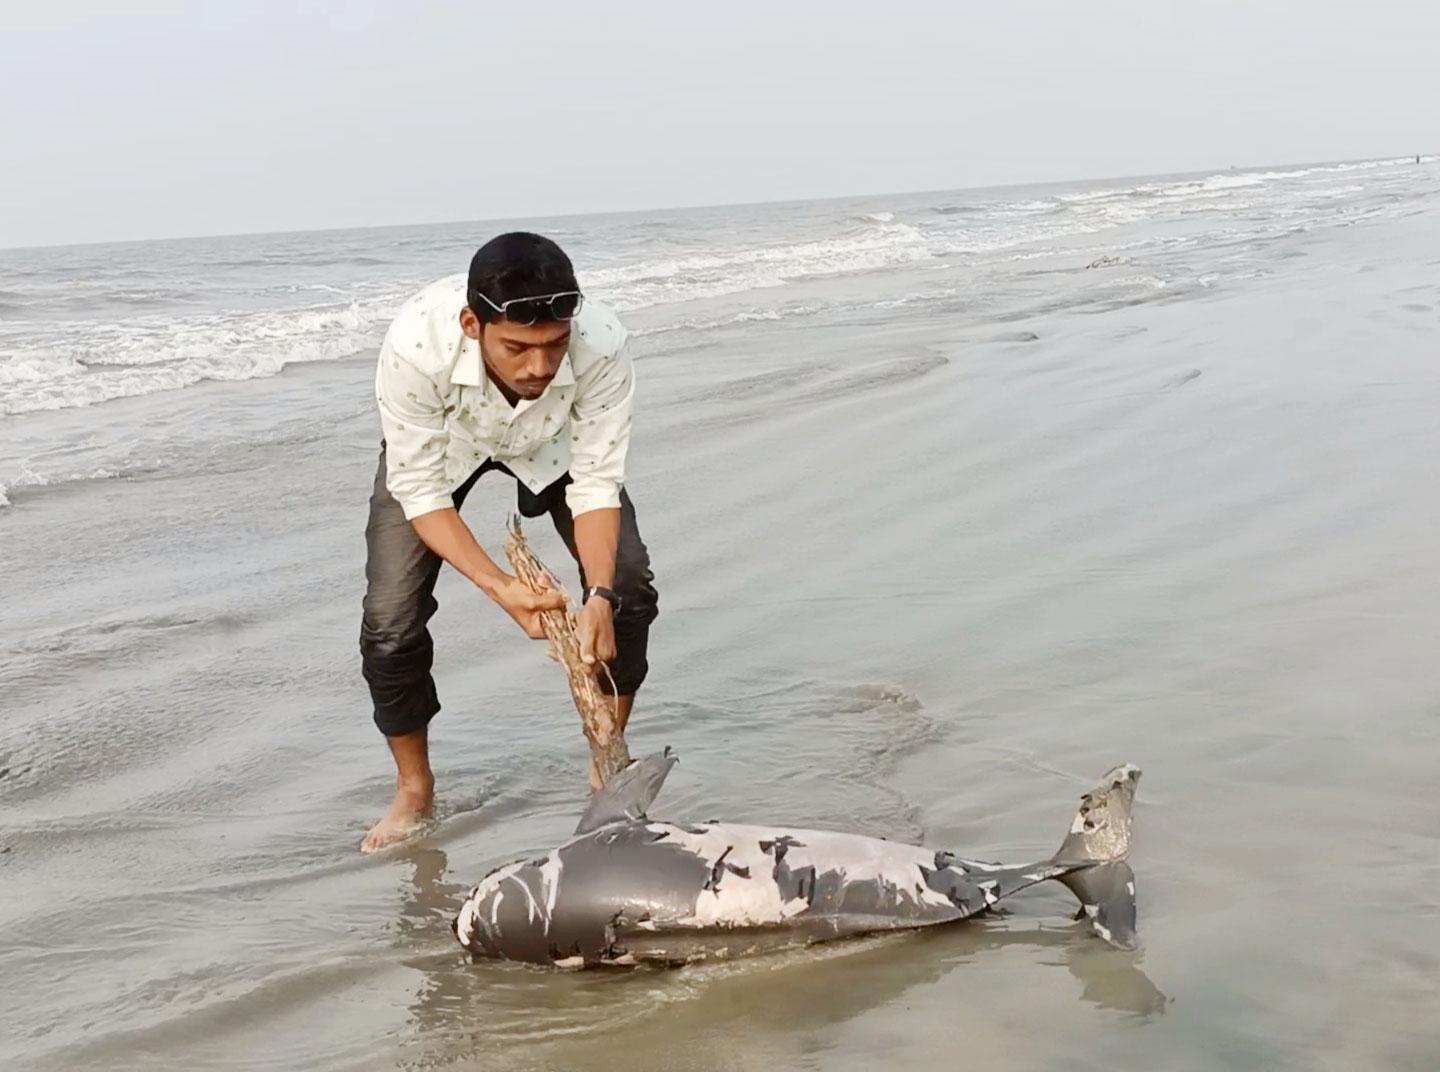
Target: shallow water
938,541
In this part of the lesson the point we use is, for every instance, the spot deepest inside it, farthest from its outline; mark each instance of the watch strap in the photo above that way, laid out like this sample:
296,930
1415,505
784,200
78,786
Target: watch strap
607,594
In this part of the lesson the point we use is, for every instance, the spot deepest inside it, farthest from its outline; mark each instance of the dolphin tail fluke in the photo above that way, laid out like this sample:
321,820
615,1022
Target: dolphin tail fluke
629,791
1107,898
1095,851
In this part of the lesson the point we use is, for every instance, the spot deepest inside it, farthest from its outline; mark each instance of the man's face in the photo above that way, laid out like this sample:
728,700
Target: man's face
521,358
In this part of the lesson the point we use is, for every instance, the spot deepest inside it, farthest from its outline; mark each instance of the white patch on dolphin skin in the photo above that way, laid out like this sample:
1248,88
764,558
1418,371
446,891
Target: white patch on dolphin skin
491,887
988,889
469,915
1130,888
491,882
746,893
465,921
1092,910
755,899
570,962
532,907
550,883
742,902
977,865
1103,931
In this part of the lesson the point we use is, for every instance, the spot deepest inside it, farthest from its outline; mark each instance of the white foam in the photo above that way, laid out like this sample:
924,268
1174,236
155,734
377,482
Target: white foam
921,298
26,477
1099,195
64,363
1150,281
745,316
732,271
1011,209
980,240
1217,184
1232,182
84,363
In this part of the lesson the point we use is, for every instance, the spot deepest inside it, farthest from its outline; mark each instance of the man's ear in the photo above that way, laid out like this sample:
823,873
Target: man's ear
470,324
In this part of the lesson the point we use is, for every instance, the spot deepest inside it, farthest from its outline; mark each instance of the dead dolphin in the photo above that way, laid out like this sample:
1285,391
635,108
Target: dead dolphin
628,889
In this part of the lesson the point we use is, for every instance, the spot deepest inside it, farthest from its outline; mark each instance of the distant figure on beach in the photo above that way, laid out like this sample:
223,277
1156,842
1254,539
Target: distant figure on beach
508,369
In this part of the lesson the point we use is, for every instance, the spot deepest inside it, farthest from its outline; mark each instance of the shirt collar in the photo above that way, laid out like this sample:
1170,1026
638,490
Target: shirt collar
565,374
469,369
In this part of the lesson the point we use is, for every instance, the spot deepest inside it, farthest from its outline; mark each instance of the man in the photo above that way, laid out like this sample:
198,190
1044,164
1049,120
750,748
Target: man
509,369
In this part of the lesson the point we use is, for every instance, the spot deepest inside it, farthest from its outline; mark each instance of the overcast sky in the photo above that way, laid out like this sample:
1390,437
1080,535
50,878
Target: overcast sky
249,115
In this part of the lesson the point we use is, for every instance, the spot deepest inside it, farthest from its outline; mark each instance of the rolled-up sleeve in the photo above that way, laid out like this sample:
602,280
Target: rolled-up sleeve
600,418
412,414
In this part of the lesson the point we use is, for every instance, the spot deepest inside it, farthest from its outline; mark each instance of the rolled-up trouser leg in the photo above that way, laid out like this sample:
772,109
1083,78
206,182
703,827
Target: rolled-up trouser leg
634,584
396,650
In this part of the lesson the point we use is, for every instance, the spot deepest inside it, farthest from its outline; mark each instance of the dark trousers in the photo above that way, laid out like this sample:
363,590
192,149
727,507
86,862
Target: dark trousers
400,571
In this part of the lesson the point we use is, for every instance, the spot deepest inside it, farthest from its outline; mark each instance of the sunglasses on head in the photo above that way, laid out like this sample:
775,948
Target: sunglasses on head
562,306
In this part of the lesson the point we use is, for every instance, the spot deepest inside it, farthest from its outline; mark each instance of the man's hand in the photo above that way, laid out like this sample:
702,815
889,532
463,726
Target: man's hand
595,627
524,606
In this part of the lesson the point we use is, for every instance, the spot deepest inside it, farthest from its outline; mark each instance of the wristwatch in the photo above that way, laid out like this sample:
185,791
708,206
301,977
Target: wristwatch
604,593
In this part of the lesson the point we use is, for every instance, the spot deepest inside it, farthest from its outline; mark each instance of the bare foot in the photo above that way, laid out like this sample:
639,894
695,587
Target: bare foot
405,817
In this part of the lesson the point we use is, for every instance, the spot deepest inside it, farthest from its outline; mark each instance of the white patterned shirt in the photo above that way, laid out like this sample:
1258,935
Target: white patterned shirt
443,418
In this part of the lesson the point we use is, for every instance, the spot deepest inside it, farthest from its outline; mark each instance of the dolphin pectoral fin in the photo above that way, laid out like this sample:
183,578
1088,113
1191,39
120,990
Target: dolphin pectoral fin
1107,898
629,792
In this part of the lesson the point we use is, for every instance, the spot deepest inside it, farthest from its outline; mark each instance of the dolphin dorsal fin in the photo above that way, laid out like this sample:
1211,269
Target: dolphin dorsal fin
629,792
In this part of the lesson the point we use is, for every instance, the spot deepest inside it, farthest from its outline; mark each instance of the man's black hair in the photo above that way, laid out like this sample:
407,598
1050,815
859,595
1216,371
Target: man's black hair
516,265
